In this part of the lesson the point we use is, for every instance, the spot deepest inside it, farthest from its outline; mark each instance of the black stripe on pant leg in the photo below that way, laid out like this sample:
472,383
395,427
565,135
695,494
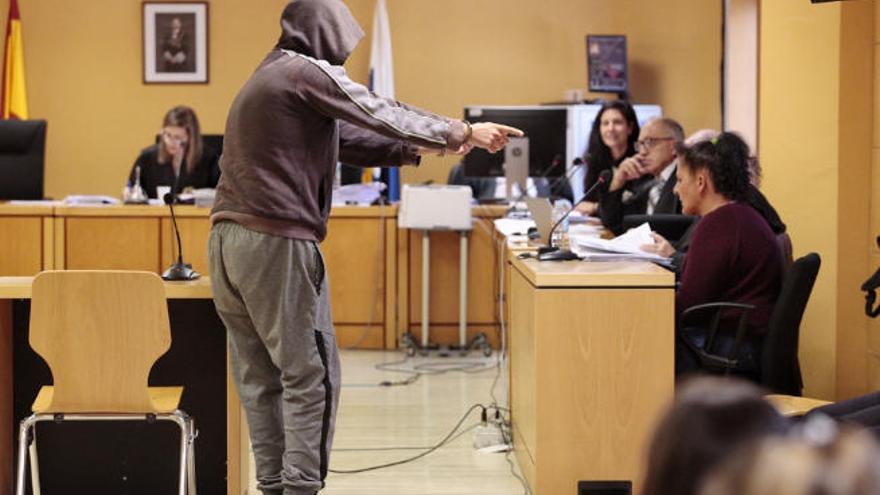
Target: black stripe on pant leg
328,404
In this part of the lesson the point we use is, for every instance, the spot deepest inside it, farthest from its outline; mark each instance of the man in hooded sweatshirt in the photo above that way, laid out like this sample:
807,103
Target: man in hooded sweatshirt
294,119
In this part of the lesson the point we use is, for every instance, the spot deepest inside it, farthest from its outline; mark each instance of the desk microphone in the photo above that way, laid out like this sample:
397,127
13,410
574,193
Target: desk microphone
178,270
553,253
577,162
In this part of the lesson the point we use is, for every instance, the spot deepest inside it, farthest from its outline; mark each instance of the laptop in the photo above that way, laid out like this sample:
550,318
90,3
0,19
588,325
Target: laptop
542,214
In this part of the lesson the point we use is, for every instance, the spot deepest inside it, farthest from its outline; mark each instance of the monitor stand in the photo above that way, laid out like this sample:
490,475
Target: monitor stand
516,166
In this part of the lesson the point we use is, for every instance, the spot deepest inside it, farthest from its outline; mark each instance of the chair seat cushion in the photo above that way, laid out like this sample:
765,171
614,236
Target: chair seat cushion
165,400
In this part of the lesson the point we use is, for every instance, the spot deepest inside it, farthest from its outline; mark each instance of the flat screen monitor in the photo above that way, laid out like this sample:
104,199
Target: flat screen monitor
606,64
22,154
545,128
213,142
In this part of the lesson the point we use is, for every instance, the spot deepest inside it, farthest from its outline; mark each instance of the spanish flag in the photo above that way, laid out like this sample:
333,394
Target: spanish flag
14,102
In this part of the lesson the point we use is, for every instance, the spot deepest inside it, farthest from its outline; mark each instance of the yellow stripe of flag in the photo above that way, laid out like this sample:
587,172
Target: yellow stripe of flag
14,102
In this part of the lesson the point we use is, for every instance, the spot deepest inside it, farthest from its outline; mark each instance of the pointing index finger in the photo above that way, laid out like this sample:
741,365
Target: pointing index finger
511,131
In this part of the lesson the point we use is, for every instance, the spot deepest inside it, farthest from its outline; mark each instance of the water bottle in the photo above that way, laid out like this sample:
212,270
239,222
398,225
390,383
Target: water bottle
560,235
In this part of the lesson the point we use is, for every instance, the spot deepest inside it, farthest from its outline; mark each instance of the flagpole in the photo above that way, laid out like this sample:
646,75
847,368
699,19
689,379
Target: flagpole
382,76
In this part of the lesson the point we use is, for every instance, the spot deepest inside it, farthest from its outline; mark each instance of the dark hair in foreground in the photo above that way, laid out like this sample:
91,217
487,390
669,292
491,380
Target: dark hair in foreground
709,419
726,157
598,155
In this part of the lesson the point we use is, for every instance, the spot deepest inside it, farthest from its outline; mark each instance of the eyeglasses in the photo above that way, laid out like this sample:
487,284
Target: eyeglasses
648,143
174,137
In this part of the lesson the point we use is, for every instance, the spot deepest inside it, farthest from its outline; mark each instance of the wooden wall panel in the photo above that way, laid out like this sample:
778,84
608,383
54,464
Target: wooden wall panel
112,243
354,253
21,246
194,239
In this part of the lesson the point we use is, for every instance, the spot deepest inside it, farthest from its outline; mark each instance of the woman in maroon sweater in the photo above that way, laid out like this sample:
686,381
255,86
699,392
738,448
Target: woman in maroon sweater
733,255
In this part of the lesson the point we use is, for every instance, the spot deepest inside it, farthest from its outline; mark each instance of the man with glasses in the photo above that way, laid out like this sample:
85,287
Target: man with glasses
643,183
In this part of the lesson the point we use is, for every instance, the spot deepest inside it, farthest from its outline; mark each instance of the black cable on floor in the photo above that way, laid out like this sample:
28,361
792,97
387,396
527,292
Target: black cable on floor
379,449
441,443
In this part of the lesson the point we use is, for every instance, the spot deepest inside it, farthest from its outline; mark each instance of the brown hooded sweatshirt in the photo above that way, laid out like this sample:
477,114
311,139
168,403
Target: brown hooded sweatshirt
299,114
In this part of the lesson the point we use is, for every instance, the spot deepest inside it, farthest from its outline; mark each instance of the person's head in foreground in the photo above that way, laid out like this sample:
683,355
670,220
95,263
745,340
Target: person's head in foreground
709,418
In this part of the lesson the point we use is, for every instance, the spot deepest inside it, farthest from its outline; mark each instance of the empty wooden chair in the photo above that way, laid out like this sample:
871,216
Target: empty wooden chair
100,333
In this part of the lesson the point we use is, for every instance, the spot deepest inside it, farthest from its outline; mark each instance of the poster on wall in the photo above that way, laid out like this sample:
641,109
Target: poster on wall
175,42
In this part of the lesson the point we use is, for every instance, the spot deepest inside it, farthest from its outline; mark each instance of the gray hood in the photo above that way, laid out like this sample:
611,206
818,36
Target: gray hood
322,29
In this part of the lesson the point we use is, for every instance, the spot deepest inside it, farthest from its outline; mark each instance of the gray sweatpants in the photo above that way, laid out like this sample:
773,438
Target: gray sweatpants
273,298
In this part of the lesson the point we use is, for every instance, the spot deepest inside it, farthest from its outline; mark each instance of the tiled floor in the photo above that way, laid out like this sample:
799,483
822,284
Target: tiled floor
416,415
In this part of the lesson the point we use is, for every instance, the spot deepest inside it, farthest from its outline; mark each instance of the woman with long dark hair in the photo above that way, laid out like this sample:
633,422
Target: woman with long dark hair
179,159
612,139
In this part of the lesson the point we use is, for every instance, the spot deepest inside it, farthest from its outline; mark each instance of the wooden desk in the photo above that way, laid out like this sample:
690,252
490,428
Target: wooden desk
20,288
361,252
373,267
591,368
26,239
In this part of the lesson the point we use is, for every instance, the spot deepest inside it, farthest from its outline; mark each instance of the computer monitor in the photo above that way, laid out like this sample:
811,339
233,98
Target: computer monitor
544,126
22,154
213,142
606,64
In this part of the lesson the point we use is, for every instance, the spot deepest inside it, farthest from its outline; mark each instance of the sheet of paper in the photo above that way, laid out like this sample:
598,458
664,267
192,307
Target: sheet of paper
359,194
91,200
625,246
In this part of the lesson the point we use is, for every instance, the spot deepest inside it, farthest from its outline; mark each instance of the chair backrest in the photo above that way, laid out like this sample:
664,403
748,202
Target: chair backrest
100,333
22,152
784,242
780,370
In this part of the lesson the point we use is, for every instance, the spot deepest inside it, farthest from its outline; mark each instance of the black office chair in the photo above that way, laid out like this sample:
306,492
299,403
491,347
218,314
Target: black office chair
22,152
779,367
672,227
783,240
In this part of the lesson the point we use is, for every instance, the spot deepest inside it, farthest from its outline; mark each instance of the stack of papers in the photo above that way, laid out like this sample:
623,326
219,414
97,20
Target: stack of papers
91,200
357,194
624,247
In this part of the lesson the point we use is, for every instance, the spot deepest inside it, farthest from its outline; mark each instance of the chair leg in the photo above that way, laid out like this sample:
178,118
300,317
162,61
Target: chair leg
187,480
24,430
191,464
35,465
184,451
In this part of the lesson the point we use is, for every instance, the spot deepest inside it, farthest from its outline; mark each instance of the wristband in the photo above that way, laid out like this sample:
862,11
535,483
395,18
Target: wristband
469,132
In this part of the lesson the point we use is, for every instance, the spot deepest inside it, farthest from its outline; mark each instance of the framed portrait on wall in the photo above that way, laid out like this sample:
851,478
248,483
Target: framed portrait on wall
175,43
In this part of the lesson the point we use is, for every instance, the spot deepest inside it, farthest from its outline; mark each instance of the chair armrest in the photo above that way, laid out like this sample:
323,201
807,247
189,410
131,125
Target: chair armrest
717,309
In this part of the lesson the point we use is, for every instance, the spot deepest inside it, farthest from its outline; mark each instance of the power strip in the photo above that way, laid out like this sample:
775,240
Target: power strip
489,435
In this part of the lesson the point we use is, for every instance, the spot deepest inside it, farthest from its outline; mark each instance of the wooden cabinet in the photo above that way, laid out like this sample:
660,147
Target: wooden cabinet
591,368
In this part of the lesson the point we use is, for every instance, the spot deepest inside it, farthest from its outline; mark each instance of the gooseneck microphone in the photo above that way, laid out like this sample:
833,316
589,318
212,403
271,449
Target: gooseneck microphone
553,253
178,270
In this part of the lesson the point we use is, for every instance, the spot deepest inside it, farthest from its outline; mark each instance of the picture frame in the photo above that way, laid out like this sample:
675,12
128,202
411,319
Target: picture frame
175,42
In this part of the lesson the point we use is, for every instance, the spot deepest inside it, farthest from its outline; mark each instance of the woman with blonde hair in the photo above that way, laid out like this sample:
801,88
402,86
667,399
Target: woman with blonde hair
179,160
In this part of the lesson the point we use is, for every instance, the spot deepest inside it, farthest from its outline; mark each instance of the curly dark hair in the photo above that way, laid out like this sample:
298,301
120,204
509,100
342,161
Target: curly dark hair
726,157
598,156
